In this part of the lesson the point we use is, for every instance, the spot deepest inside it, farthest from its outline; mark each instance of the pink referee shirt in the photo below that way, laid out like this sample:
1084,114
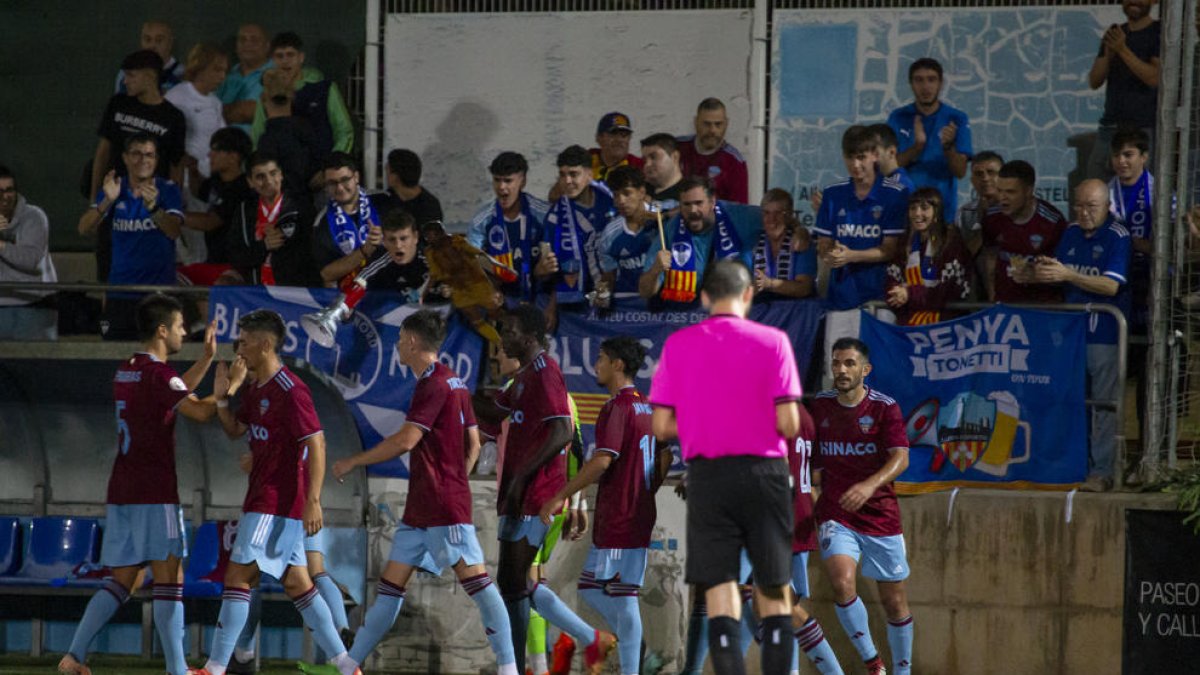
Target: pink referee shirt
723,377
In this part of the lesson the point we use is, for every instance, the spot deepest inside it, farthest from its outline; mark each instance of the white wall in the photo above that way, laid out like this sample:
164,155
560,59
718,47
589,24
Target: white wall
461,88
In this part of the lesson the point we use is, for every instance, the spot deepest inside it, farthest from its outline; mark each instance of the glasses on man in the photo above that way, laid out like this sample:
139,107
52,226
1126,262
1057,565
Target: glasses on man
344,181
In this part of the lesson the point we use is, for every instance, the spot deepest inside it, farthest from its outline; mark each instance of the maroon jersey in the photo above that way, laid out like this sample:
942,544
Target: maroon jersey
804,536
1037,237
536,396
625,510
438,492
725,167
146,392
852,444
279,415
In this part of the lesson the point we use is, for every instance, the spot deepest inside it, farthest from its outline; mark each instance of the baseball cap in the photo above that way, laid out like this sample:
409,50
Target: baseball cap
143,59
614,121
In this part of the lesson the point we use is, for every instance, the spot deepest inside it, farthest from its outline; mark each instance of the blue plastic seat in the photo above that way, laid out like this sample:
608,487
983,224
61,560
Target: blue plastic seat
10,546
203,556
56,546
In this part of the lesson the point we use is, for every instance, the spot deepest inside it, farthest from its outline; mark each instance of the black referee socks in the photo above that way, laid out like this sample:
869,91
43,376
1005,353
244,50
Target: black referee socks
725,646
777,644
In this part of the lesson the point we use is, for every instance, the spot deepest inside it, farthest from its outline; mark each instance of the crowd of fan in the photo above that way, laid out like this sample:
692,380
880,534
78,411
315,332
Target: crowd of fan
210,174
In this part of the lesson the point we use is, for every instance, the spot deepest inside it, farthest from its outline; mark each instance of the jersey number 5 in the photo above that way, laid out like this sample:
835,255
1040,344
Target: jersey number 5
122,429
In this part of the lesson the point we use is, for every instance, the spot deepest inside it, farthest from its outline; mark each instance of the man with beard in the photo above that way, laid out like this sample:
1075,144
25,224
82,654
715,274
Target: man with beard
346,232
861,448
612,140
706,154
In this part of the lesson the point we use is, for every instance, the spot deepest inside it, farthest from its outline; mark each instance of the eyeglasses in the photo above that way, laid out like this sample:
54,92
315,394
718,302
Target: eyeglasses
138,155
10,190
344,181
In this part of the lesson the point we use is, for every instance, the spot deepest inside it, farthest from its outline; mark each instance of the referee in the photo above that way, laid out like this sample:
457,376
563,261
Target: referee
728,388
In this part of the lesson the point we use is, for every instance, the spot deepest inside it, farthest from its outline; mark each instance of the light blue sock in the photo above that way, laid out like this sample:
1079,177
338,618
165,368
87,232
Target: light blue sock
750,632
696,650
168,621
332,595
318,619
494,614
900,639
99,610
380,617
556,612
812,642
245,641
235,605
853,617
628,626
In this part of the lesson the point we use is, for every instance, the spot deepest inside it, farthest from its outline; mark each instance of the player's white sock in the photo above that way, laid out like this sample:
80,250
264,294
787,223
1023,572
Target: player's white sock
244,655
214,668
509,669
344,664
537,663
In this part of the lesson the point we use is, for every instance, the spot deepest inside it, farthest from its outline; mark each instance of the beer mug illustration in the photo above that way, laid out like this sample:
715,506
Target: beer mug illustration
998,454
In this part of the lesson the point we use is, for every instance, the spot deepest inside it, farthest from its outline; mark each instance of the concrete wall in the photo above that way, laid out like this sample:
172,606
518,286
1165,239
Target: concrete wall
1003,584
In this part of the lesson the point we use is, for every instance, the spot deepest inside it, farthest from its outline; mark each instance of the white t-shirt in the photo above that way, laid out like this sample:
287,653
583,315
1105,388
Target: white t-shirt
204,117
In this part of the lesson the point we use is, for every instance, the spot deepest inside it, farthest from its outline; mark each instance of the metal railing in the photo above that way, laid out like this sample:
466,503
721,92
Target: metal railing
1117,405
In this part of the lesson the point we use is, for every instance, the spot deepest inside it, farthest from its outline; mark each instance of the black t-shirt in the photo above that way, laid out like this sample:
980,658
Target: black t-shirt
669,196
424,208
125,116
223,200
1128,100
291,141
406,280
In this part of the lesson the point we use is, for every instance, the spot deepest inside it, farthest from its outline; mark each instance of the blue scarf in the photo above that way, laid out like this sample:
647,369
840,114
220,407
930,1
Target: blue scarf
348,235
576,263
498,244
680,283
1133,204
778,266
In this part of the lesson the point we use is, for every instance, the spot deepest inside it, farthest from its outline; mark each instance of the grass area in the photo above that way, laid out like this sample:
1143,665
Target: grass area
116,665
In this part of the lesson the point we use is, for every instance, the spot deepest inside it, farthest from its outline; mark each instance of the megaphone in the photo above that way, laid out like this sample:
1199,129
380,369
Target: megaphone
322,326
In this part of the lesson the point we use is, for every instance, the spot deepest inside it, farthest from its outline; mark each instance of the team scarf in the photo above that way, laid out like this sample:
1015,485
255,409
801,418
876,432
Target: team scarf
348,234
920,271
577,264
779,266
682,279
268,215
1132,204
498,245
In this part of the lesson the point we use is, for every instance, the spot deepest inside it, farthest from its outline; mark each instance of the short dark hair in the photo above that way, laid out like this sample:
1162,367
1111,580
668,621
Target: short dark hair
429,327
153,311
259,158
1021,170
529,321
264,321
710,103
885,137
231,139
6,172
406,165
140,138
857,139
339,160
925,63
574,155
1129,135
625,176
287,39
726,279
852,343
508,163
663,140
693,182
988,156
628,350
398,219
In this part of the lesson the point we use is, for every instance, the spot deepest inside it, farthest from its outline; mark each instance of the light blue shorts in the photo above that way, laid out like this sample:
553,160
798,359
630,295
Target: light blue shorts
881,558
435,548
625,566
516,528
272,542
316,542
800,574
135,534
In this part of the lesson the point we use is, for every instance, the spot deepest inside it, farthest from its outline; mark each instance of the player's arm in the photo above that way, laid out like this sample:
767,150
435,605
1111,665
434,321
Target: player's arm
314,447
884,252
787,419
588,474
473,446
225,384
199,369
198,409
389,448
663,424
858,494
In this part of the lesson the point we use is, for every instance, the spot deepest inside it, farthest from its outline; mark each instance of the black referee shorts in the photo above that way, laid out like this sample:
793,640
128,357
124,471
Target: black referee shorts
734,503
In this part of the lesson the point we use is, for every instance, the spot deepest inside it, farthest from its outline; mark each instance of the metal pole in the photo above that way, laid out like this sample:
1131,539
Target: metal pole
760,43
371,93
1154,426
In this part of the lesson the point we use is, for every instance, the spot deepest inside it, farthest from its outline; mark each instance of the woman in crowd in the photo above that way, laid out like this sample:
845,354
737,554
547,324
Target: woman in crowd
785,262
933,268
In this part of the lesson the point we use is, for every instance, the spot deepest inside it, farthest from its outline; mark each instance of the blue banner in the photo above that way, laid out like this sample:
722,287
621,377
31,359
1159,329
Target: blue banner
577,344
362,364
995,399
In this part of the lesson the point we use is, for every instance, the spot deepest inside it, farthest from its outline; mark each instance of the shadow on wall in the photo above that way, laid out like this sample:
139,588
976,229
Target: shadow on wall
467,127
